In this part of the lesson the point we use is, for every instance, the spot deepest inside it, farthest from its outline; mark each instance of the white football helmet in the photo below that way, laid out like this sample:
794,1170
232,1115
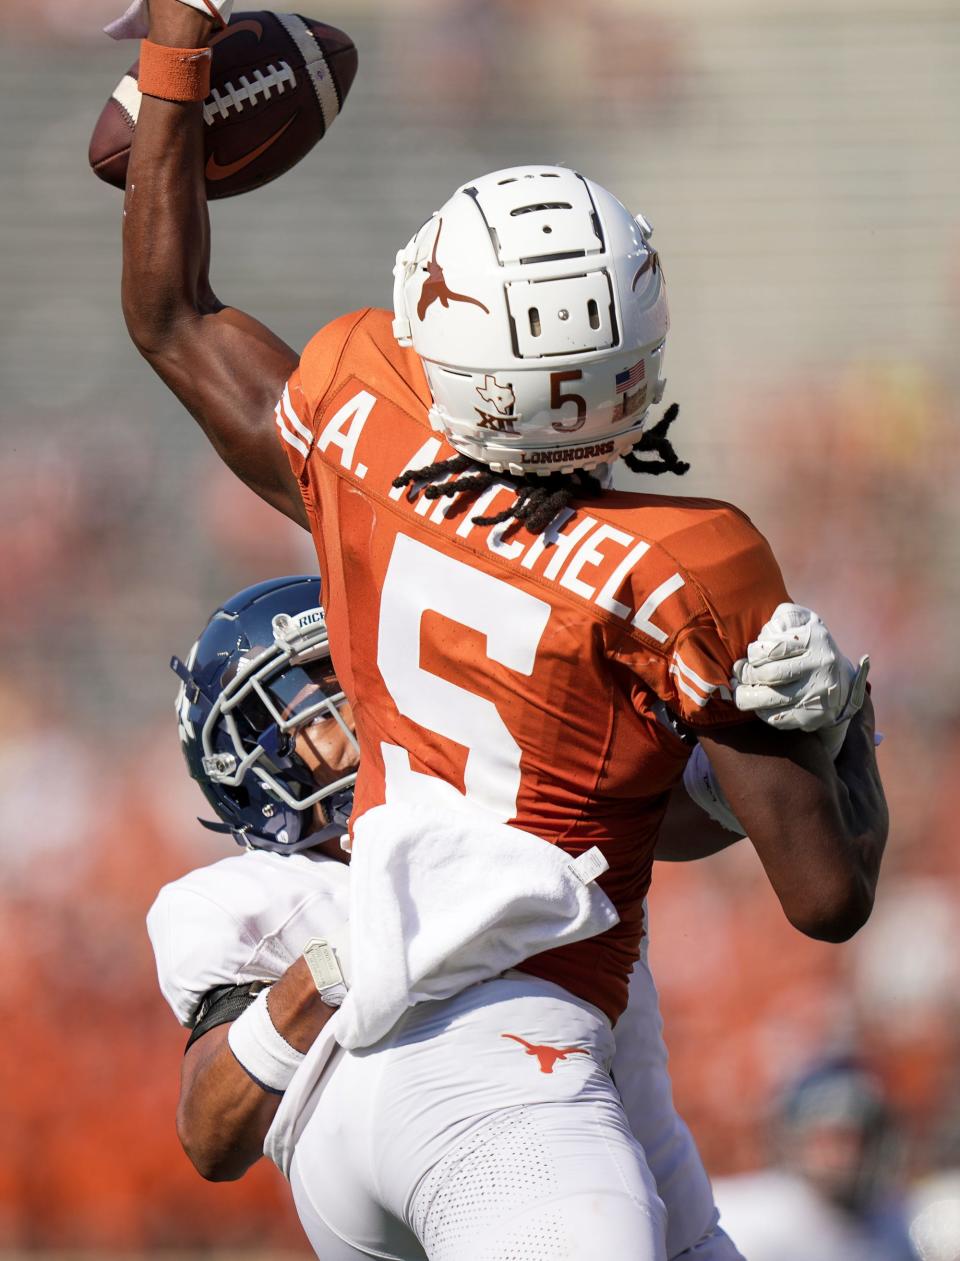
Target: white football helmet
537,305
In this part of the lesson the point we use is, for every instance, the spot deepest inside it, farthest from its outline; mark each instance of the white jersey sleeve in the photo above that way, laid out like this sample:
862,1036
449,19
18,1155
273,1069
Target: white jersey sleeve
775,1215
244,919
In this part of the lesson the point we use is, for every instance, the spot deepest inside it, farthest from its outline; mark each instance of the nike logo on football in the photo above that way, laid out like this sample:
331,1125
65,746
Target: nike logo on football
547,1056
216,172
235,28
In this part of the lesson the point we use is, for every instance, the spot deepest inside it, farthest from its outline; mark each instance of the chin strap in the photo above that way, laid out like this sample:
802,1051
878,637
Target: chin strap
402,328
216,827
240,835
243,835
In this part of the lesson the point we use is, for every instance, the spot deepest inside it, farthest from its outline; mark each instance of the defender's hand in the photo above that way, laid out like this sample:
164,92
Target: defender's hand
795,677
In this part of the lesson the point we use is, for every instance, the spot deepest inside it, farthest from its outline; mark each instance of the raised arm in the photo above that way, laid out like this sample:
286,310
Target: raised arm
226,368
818,826
224,1114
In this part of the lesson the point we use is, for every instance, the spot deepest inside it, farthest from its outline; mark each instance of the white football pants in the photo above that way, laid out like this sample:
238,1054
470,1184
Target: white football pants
483,1128
359,1224
642,1078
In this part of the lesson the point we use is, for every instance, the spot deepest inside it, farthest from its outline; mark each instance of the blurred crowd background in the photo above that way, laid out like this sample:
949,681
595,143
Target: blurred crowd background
799,164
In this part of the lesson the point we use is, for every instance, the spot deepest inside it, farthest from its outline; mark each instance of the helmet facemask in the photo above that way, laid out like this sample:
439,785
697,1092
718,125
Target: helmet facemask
264,725
274,695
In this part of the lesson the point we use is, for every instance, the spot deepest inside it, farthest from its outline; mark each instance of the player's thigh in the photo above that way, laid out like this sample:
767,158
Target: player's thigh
327,1245
370,1236
503,1100
333,1172
542,1181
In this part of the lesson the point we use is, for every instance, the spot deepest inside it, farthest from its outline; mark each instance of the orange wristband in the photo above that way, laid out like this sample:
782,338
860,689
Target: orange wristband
174,74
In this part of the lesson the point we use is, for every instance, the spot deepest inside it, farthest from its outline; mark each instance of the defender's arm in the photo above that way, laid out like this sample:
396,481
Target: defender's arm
223,1114
226,368
819,827
688,833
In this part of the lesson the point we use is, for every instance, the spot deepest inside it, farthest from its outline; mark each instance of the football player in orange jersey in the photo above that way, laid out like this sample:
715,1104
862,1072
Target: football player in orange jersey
536,653
258,715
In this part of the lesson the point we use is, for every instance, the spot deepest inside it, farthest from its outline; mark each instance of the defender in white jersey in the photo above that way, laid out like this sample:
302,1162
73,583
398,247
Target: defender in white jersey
830,1192
258,693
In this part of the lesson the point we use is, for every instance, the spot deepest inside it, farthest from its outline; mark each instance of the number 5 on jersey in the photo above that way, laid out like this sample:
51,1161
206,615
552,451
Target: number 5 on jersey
420,579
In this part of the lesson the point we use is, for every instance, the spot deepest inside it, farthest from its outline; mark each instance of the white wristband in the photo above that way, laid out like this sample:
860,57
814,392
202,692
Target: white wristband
259,1049
702,787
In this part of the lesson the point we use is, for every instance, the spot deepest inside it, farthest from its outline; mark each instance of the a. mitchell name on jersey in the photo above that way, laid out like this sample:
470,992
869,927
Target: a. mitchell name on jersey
592,559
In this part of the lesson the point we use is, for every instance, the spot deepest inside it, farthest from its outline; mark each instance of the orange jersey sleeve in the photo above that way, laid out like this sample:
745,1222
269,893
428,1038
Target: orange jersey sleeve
299,405
708,584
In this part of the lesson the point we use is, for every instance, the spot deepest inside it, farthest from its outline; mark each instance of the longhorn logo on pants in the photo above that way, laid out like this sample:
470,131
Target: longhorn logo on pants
547,1056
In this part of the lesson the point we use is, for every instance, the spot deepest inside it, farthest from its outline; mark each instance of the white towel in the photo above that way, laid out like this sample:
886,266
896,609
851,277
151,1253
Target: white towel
441,899
133,24
300,1099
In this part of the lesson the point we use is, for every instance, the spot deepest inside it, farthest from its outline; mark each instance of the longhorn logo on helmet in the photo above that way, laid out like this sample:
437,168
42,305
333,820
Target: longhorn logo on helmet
435,288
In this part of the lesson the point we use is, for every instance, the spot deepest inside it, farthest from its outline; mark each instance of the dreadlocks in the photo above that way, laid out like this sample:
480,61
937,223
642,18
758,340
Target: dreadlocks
539,498
655,440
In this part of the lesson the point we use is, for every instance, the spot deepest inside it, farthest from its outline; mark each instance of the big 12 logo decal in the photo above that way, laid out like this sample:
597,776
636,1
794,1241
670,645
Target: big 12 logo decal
503,401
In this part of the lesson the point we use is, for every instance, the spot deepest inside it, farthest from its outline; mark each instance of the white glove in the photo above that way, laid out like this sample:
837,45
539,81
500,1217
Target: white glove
795,677
134,25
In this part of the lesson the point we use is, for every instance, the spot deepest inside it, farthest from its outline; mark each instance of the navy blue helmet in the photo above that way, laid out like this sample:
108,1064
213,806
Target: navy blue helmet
836,1128
258,675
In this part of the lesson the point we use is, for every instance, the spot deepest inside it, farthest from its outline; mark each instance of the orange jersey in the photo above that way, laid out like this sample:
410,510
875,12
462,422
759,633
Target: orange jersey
527,674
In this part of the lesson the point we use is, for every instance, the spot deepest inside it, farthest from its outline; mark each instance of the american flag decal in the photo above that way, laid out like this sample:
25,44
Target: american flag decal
630,377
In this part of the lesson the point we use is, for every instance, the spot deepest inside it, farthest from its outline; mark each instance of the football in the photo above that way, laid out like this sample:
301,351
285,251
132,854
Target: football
277,83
